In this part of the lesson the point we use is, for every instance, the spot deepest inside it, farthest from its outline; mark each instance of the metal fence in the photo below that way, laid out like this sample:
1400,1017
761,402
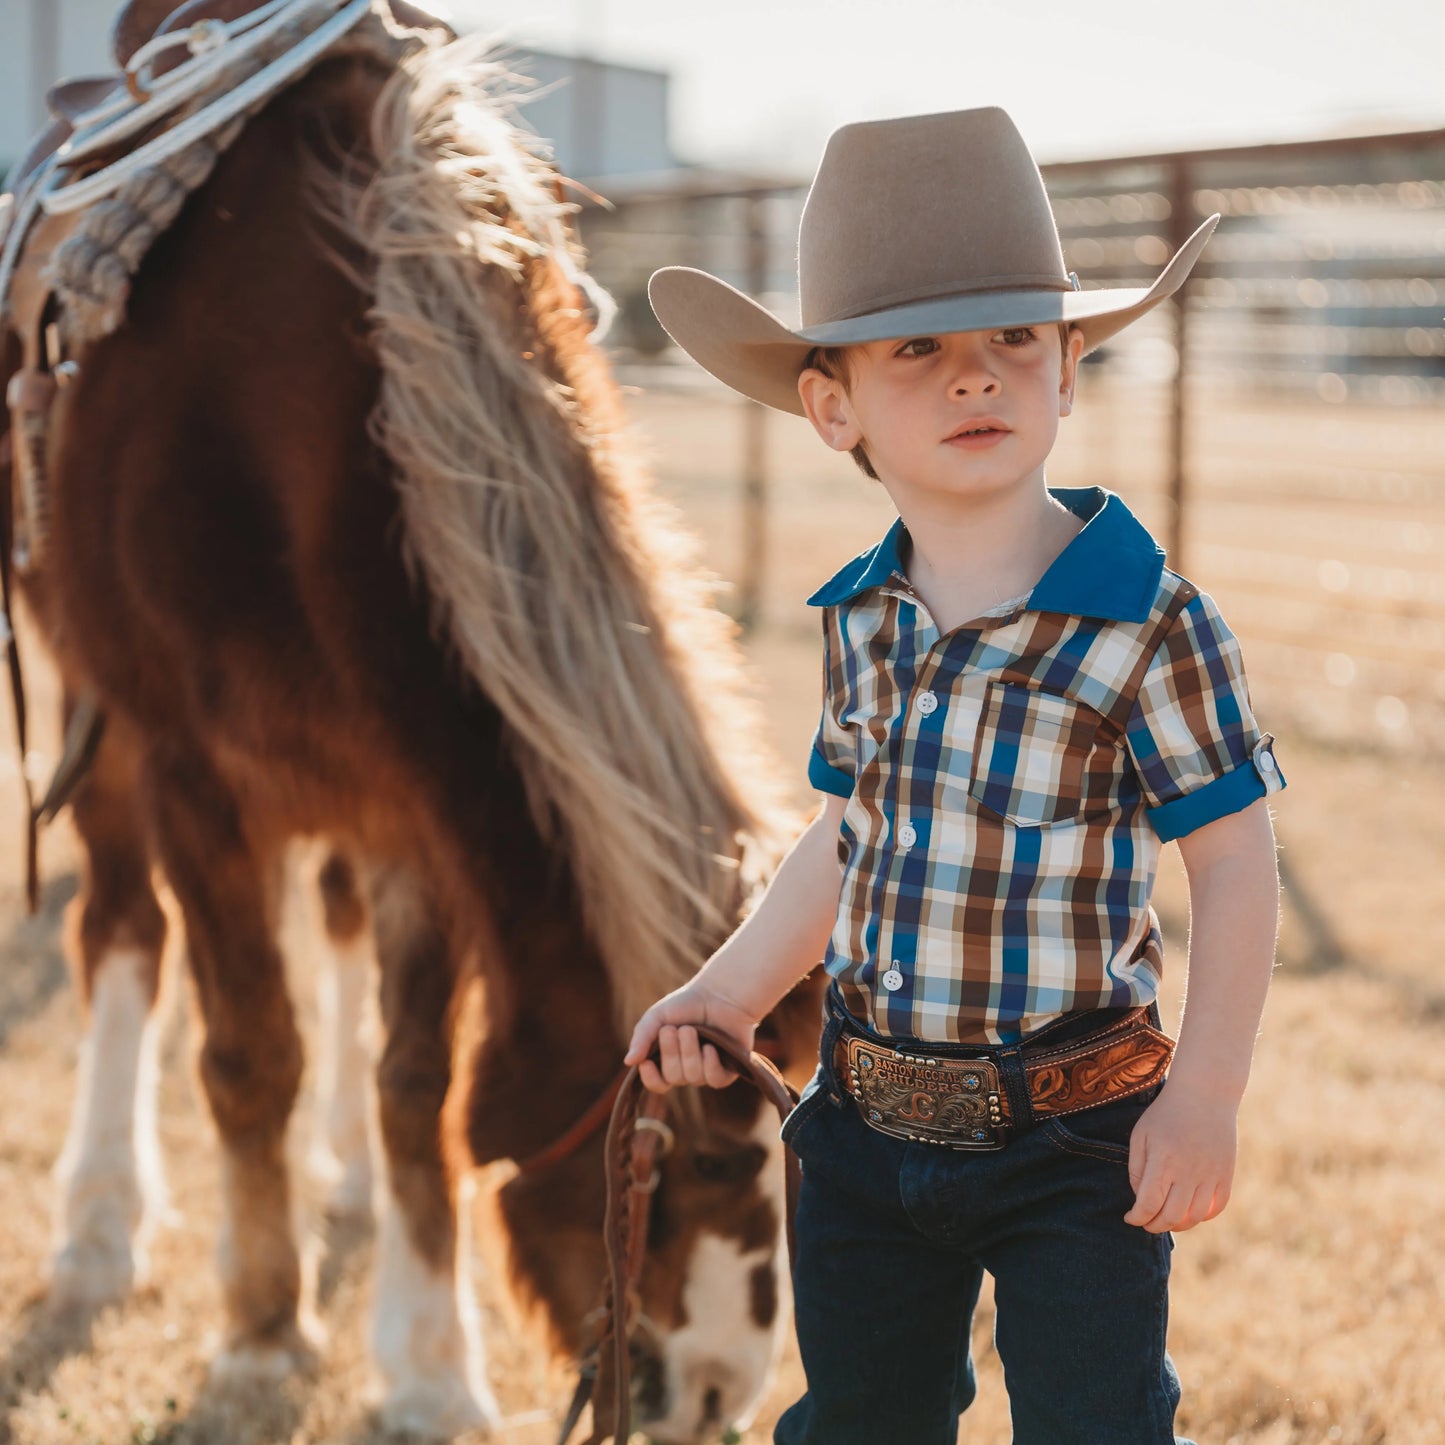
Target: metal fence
1280,425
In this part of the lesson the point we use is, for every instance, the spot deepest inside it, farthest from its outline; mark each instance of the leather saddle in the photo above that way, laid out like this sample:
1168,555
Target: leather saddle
138,22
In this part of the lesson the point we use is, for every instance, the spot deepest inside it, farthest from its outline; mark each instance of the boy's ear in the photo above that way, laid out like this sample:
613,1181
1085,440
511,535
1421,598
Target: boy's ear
1069,370
826,407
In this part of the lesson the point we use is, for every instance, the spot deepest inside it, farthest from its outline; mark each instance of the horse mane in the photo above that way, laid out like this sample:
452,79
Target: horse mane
569,593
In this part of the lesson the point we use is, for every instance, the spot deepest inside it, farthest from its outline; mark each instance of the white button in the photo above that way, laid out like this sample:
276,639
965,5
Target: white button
1266,762
927,701
907,836
892,980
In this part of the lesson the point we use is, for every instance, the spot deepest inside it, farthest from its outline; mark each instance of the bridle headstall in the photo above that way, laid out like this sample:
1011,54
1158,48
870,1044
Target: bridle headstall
638,1138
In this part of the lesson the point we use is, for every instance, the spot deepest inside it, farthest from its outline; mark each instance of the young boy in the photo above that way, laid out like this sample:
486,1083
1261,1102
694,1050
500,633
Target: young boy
1021,704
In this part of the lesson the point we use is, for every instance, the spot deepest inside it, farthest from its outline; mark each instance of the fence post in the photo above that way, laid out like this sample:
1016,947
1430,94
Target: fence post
755,422
1180,228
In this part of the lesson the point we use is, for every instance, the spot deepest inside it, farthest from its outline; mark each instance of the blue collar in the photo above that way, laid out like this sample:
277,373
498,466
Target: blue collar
1111,569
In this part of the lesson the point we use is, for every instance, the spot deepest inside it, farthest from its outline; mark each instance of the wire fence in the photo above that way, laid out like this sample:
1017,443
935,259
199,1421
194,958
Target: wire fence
1280,425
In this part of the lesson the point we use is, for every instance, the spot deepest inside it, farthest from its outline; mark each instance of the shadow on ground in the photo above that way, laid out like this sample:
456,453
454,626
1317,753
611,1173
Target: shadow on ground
257,1414
44,1340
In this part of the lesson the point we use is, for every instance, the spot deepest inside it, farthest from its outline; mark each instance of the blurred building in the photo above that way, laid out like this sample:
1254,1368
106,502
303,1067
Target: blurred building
40,40
606,123
600,118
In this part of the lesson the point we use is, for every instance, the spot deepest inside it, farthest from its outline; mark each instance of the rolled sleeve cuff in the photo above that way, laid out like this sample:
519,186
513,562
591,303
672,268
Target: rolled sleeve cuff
828,779
1257,777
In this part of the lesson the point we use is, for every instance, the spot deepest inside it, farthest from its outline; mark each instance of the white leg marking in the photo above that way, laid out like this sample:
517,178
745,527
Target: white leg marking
246,1365
720,1365
426,1336
110,1185
341,1153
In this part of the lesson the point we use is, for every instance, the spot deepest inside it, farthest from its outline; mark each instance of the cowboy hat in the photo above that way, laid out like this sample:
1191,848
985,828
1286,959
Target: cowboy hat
918,224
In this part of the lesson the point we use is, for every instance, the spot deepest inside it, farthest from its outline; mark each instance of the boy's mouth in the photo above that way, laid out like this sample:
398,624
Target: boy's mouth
981,427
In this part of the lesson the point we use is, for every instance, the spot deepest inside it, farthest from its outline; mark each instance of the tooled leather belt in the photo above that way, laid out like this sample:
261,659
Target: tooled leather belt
961,1103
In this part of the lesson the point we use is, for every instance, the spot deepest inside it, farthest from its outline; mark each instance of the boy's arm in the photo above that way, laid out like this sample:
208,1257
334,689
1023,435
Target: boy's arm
779,941
1181,1160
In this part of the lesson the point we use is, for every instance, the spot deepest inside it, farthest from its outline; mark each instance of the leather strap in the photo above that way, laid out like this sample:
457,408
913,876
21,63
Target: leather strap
630,1180
577,1134
17,693
1124,1058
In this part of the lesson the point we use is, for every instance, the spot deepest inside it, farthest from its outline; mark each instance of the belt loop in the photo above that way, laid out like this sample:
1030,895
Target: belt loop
827,1047
1016,1084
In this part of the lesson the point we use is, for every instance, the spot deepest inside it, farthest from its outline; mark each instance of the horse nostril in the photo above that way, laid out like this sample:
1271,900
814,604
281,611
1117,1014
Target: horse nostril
711,1405
647,1380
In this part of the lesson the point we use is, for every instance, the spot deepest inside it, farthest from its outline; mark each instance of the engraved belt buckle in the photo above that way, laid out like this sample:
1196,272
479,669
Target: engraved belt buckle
952,1102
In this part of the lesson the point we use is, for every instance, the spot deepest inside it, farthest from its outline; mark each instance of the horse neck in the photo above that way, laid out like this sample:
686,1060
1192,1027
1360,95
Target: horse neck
547,1045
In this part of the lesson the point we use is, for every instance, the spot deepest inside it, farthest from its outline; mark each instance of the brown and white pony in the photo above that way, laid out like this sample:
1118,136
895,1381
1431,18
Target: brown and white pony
346,539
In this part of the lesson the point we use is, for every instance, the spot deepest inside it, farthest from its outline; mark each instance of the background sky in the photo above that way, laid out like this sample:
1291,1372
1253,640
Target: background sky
761,83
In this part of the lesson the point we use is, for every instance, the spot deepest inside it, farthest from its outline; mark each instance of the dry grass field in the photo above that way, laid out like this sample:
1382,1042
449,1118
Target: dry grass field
1311,1311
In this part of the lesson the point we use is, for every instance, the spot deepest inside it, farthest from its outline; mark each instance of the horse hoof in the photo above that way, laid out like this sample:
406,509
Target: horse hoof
94,1270
439,1408
253,1362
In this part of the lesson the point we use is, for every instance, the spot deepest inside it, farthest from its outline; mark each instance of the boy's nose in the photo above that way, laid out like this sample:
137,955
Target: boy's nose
971,373
975,382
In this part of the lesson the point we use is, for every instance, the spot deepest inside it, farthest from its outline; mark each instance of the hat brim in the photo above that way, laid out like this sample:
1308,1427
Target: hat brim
746,346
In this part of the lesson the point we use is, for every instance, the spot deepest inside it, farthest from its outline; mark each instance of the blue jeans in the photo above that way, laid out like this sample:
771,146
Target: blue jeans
893,1238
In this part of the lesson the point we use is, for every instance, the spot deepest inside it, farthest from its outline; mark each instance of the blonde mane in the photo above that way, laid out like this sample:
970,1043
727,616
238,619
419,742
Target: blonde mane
570,594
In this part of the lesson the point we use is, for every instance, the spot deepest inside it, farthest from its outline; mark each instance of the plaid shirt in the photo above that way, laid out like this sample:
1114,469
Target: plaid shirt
1010,782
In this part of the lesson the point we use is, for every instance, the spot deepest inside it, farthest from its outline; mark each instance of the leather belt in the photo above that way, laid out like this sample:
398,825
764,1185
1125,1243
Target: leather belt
961,1103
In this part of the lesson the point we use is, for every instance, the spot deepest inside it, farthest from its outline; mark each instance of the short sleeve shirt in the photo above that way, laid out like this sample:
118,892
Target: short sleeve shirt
1010,782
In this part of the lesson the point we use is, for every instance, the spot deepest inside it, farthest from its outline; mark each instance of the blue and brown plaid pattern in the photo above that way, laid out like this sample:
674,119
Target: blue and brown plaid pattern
1010,784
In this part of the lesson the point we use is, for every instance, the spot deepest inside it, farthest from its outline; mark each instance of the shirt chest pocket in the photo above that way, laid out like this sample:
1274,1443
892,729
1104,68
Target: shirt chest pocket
1030,754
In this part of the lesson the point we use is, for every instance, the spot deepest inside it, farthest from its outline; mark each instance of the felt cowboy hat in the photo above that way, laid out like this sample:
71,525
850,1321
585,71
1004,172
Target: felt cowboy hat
918,224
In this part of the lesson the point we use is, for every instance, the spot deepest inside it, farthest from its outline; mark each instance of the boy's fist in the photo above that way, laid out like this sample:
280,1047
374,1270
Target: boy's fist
1181,1160
684,1058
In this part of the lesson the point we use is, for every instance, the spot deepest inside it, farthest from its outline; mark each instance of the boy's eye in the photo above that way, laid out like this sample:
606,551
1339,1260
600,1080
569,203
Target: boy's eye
927,341
1023,333
1013,336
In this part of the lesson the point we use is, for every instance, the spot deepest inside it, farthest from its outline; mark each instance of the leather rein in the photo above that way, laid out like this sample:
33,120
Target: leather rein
637,1137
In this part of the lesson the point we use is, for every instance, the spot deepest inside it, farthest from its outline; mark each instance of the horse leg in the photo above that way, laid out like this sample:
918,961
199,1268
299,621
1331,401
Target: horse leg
425,1334
251,1057
341,1154
110,1185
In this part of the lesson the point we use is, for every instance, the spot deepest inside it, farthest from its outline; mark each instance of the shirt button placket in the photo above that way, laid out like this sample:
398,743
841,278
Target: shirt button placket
925,704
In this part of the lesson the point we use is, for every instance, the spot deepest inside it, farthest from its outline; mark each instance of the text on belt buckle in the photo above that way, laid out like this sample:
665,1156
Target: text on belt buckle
953,1102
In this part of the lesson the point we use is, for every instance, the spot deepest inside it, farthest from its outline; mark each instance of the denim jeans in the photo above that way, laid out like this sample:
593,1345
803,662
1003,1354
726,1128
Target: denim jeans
893,1238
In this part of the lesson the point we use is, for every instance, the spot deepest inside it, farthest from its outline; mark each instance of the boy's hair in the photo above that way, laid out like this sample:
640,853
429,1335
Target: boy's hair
836,362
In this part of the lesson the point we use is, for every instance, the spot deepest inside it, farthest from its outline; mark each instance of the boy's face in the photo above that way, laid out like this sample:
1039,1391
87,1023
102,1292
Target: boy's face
910,395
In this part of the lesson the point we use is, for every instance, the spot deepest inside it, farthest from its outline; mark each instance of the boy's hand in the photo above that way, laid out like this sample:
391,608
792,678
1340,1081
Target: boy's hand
1181,1160
685,1060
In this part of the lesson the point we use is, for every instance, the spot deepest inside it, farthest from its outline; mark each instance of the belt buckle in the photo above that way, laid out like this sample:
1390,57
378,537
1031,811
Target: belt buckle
955,1103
